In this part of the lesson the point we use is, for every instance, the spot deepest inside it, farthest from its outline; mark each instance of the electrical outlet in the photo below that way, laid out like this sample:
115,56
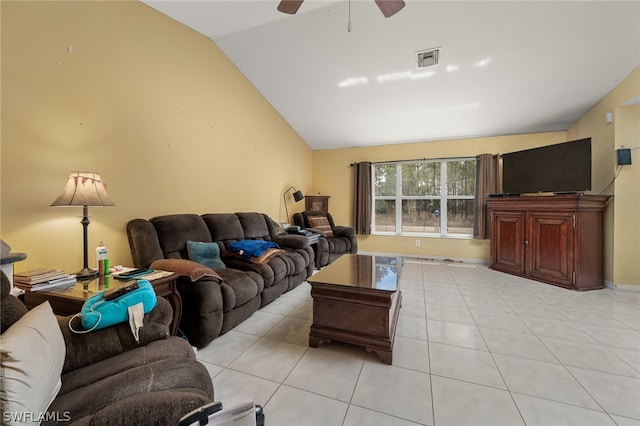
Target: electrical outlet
417,243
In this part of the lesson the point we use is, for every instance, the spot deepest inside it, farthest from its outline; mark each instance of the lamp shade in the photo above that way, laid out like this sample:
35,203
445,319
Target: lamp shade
84,189
297,196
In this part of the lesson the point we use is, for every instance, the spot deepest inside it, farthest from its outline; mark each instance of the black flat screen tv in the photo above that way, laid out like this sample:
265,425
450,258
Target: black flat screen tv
558,168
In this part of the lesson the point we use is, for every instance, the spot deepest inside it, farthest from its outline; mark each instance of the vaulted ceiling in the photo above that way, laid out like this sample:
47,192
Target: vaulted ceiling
344,76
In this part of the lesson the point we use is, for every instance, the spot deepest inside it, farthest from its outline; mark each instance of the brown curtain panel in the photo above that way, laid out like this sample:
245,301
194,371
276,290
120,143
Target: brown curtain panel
486,183
362,198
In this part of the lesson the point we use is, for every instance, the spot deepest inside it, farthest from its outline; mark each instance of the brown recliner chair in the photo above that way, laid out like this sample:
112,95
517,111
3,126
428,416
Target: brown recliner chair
107,377
334,240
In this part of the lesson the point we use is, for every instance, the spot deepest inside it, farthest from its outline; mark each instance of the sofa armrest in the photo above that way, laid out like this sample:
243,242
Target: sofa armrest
343,231
88,348
186,268
290,241
163,407
143,242
315,231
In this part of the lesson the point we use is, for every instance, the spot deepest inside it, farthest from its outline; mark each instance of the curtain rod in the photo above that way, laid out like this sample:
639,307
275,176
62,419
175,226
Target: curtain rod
398,161
416,159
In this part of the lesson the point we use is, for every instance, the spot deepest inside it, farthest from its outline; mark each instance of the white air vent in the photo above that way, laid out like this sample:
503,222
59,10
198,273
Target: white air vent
427,58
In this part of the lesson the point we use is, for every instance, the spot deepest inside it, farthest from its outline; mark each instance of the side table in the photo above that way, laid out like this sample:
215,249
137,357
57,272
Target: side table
312,239
69,300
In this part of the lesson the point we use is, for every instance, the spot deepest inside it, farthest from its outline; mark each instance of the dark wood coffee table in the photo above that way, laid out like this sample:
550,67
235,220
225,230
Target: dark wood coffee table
356,300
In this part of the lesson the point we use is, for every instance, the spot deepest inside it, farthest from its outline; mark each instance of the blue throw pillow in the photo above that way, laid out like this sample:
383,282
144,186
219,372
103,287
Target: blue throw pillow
207,254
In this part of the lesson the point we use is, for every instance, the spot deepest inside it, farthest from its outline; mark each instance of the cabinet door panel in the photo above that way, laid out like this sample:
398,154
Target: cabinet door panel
507,248
550,247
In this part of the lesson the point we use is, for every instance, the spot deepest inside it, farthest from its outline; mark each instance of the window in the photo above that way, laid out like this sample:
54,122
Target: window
430,197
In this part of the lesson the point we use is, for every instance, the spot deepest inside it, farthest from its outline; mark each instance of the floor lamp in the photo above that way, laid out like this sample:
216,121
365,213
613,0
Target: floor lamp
84,189
297,196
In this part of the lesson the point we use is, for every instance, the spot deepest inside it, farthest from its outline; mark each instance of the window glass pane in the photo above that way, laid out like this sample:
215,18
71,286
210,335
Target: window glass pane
420,215
385,184
385,216
460,216
461,177
421,179
416,188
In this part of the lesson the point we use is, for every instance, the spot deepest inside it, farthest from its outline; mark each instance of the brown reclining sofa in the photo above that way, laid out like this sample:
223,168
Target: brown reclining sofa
218,299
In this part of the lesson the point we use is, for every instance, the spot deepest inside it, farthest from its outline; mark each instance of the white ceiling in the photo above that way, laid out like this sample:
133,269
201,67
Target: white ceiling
506,67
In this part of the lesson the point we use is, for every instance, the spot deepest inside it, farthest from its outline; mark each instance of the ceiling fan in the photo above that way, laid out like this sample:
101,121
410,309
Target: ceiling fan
387,7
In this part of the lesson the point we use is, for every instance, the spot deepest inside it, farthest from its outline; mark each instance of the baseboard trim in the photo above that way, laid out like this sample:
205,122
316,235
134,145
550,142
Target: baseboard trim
434,258
622,287
607,284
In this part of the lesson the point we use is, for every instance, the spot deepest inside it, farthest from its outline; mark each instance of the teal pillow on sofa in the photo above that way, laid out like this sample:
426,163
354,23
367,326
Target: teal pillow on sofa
207,254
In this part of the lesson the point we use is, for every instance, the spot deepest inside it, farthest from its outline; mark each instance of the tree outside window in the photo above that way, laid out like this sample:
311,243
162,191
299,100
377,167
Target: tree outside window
424,197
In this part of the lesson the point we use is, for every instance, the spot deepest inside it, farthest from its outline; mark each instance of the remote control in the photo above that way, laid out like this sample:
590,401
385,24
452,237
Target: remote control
118,292
133,273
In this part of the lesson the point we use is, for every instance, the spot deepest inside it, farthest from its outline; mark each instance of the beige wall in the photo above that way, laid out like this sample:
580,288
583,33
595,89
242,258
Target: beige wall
626,238
332,175
622,227
173,127
154,107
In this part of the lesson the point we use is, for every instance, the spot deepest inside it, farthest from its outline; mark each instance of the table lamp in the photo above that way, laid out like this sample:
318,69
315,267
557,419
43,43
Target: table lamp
84,189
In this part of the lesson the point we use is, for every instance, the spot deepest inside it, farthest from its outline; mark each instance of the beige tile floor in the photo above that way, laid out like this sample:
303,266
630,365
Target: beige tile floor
473,347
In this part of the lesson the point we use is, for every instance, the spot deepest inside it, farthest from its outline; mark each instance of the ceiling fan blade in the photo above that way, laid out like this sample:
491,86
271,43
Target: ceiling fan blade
289,6
390,7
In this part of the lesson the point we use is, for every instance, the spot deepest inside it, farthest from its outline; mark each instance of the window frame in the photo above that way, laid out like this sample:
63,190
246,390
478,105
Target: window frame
443,197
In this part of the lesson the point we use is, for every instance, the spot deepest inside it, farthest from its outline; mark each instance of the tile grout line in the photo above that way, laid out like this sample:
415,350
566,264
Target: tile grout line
548,299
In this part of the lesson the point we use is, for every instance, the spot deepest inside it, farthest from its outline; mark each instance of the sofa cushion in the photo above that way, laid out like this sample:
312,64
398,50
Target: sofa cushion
176,374
254,225
30,377
175,230
206,253
224,226
143,242
321,223
88,348
239,287
171,348
165,407
339,245
298,261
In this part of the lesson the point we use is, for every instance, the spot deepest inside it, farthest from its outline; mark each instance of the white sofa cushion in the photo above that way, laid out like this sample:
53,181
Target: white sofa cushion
33,353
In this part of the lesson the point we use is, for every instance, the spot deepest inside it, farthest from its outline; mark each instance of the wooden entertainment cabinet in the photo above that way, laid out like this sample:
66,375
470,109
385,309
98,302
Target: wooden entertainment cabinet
555,239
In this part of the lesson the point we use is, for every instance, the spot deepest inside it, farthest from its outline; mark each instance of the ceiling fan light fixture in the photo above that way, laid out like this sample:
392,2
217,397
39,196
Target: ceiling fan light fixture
289,6
390,7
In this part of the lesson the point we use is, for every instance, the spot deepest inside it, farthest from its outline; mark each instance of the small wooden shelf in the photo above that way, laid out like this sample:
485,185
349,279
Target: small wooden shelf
317,202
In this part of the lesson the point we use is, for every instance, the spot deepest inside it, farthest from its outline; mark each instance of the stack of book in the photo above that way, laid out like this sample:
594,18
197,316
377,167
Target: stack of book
43,279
